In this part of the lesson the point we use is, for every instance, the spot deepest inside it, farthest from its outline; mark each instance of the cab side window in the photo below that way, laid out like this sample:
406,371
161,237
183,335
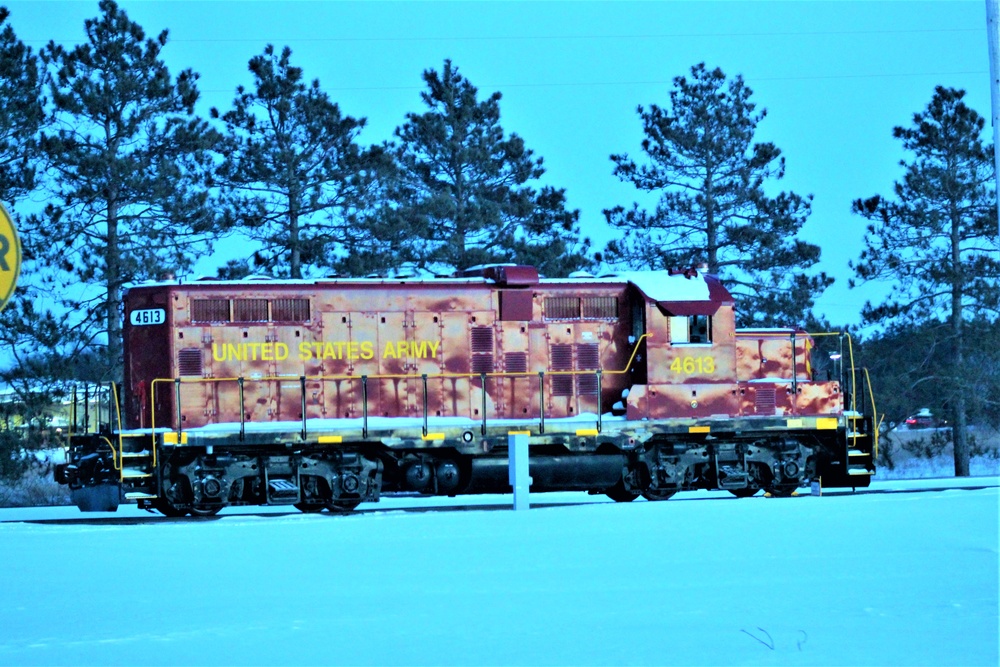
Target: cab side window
693,329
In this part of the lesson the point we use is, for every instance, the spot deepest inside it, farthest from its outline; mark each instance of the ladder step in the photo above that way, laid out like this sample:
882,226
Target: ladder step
140,495
859,471
135,455
858,452
133,473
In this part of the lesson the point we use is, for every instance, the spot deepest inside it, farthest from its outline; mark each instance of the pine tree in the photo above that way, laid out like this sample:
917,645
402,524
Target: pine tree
712,209
934,244
129,170
21,115
31,339
467,193
302,186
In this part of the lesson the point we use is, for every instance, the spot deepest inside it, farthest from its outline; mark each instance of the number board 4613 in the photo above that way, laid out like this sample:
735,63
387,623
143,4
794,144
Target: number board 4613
147,316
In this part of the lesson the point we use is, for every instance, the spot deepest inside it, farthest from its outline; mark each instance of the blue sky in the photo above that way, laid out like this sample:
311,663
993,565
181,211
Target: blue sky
835,77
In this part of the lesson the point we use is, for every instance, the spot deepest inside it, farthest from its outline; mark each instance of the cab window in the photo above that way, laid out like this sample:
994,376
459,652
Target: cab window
693,329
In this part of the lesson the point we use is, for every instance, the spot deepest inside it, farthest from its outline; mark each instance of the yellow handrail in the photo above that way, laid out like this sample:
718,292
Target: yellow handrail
118,411
875,421
470,375
850,353
628,364
114,457
386,376
854,383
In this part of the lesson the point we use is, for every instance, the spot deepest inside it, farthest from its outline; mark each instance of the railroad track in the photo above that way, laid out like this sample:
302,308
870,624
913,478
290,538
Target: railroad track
129,514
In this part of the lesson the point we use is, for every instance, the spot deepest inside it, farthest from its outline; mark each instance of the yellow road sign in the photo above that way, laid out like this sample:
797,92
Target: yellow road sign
10,257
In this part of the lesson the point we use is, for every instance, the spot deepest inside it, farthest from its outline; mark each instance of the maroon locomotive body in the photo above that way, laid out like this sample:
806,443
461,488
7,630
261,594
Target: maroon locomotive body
327,393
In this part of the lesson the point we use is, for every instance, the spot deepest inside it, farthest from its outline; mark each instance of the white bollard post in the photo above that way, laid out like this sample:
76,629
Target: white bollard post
520,481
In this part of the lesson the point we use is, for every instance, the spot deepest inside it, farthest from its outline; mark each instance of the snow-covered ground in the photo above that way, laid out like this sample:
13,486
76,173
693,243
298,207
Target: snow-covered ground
904,575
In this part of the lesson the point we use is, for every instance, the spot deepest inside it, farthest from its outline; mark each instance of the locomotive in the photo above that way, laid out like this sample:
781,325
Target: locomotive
324,394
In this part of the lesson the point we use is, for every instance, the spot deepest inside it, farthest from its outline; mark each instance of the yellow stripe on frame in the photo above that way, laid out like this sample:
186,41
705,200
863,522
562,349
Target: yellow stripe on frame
586,431
826,423
518,432
700,429
794,423
330,439
171,438
433,436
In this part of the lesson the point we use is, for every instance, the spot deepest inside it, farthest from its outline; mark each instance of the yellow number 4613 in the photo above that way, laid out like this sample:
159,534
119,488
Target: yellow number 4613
692,365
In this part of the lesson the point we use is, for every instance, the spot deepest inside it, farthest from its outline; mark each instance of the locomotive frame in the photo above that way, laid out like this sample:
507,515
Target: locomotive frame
325,394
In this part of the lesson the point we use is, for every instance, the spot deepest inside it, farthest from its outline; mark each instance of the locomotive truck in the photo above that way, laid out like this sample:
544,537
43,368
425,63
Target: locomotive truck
324,394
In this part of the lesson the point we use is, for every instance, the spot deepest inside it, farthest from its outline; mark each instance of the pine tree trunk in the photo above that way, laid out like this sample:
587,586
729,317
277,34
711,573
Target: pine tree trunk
959,432
295,261
294,242
114,300
711,229
959,435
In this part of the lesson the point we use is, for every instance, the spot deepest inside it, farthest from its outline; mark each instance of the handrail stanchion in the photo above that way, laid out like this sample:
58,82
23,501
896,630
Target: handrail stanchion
795,375
177,400
118,414
72,413
482,377
541,401
302,387
854,379
86,408
364,406
423,377
243,431
875,420
598,400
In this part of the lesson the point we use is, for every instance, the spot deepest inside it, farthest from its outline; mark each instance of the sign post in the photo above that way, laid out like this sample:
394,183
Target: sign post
10,257
517,448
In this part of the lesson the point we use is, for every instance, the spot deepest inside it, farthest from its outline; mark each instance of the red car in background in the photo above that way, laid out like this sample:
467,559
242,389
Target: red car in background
923,419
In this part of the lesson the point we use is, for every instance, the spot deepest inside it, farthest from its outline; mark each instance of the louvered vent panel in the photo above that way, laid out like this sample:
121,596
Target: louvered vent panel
189,362
250,310
764,403
290,310
210,310
482,340
516,362
588,357
482,363
561,359
586,385
562,308
600,307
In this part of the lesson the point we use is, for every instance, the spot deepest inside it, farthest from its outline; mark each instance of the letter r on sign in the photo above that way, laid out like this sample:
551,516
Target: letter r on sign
4,249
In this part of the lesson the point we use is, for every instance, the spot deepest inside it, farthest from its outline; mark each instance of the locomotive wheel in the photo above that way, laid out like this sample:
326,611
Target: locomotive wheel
205,510
657,494
342,506
744,493
164,507
620,494
309,508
